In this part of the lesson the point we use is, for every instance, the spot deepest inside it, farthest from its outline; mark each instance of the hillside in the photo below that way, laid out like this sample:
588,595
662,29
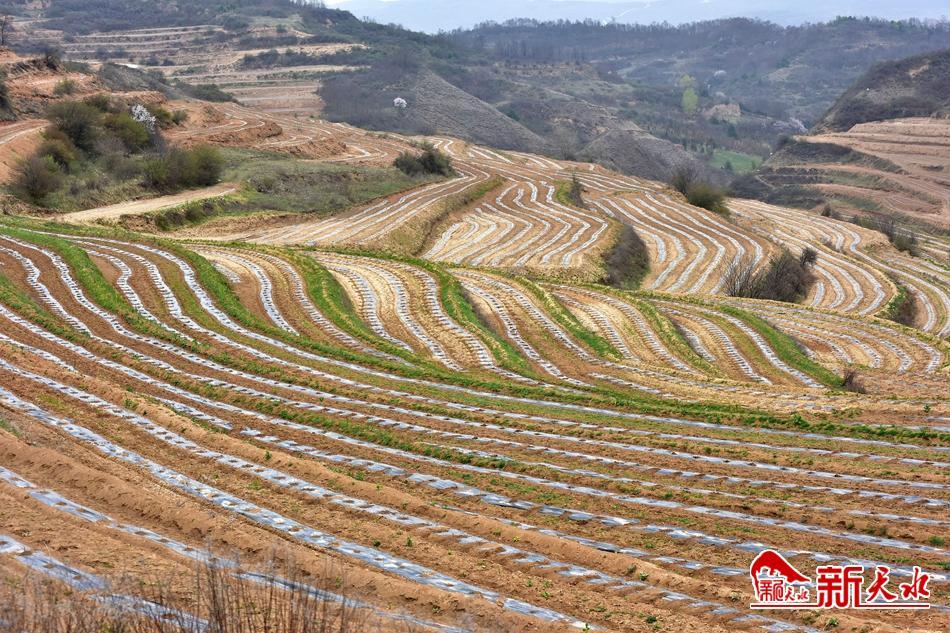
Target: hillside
917,86
612,94
882,151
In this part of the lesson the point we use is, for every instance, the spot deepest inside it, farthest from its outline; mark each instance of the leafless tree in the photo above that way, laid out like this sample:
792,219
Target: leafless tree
6,27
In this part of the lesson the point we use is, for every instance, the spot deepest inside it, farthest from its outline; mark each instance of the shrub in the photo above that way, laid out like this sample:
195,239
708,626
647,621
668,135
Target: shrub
133,134
900,238
100,102
902,308
65,86
707,196
628,262
431,161
682,179
5,104
576,193
60,150
79,121
37,177
904,242
162,116
207,164
785,278
205,92
179,117
809,256
851,381
167,172
180,168
699,193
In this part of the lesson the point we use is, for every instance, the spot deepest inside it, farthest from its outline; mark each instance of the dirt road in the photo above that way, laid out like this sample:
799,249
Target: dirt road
115,211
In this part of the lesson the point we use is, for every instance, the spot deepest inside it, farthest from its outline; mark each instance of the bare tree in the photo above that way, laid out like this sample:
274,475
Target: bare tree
785,278
6,27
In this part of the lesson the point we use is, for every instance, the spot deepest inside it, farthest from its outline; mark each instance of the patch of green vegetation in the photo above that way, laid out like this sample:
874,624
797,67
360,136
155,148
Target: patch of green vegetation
9,428
189,214
567,320
786,348
460,309
455,303
104,150
671,336
95,284
19,301
330,298
625,401
901,308
277,182
431,161
412,237
734,162
570,193
857,202
205,92
627,261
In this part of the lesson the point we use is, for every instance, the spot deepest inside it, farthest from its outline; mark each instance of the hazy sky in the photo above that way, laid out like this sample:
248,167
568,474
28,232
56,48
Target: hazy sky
433,15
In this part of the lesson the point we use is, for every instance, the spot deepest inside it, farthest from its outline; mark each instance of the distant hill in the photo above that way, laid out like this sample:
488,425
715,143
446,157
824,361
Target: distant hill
912,87
880,150
432,16
641,99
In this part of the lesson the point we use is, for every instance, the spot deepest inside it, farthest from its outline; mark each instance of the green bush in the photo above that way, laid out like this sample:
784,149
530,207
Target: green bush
628,261
205,92
79,121
37,177
707,196
431,161
162,116
5,104
178,168
207,165
100,102
66,86
133,134
698,192
57,146
785,278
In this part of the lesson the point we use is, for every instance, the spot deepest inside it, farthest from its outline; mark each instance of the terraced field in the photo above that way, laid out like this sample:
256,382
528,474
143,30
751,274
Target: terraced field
435,396
898,167
204,55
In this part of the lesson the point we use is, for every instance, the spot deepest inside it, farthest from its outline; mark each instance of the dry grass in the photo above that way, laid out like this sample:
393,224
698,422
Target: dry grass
215,600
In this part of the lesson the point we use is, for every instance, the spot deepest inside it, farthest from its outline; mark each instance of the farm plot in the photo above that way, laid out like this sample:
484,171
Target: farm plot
446,421
918,148
865,266
492,500
524,228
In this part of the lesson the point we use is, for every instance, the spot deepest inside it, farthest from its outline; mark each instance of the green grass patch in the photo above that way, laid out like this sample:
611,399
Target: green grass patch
735,162
13,297
330,298
9,428
412,237
786,348
454,302
672,337
563,317
282,183
96,286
